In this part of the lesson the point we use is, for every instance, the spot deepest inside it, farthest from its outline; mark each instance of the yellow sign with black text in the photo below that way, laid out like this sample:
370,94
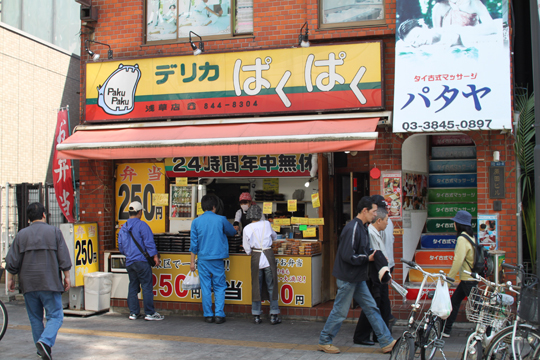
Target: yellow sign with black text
86,251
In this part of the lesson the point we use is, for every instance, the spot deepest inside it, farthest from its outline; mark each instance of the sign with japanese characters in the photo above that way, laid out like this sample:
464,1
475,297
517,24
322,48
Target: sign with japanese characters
86,259
454,180
444,225
139,182
496,182
434,258
62,177
449,210
430,241
294,280
452,195
453,152
239,165
335,77
452,166
452,68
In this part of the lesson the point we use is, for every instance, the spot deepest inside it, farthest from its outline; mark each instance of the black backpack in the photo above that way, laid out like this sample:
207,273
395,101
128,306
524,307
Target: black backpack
483,262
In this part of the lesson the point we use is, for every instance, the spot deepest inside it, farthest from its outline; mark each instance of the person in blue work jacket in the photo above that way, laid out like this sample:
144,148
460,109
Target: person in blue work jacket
209,243
138,269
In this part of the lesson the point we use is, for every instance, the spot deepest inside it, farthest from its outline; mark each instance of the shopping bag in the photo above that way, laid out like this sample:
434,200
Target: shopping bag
191,282
441,305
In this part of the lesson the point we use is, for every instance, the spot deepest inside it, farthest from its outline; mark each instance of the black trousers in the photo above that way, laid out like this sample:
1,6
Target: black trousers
462,291
363,327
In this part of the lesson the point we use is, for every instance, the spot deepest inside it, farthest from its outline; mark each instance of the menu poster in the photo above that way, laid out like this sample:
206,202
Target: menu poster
415,191
488,229
391,191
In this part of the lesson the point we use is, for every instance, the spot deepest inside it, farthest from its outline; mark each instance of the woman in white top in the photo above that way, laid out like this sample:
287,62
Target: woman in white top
257,241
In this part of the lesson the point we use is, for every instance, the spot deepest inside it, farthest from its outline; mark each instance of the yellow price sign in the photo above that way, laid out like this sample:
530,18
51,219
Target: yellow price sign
315,200
181,181
398,231
310,232
304,221
86,251
276,228
316,221
200,211
291,205
295,220
160,199
282,221
267,208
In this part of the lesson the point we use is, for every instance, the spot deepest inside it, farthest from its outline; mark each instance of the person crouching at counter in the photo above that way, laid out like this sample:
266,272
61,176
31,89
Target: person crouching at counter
209,242
240,219
257,241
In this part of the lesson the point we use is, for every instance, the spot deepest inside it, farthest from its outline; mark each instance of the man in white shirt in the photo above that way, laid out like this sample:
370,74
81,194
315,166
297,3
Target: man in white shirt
257,241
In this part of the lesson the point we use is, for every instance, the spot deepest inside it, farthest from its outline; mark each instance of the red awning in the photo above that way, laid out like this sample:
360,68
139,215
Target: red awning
162,140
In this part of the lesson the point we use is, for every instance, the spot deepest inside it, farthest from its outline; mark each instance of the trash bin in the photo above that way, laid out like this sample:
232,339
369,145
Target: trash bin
97,291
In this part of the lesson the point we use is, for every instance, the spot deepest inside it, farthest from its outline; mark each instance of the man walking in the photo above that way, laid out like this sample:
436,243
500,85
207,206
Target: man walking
138,268
38,254
209,243
351,271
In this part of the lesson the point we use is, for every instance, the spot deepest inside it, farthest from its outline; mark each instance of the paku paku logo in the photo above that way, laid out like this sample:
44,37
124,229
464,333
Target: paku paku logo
117,95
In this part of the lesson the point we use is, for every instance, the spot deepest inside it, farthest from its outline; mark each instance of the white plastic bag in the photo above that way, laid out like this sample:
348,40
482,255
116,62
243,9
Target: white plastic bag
191,282
441,304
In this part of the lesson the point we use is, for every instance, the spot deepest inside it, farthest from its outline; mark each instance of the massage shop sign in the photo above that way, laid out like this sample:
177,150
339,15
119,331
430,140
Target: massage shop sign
336,77
452,67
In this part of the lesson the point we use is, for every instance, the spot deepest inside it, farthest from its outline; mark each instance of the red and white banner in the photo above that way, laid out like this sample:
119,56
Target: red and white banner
63,181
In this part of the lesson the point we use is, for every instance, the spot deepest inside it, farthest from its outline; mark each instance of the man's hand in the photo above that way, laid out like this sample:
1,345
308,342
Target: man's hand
156,260
67,281
192,266
11,285
372,256
237,228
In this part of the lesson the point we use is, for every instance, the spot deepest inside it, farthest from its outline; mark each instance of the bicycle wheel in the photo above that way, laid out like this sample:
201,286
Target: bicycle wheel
473,349
527,344
3,320
404,348
433,333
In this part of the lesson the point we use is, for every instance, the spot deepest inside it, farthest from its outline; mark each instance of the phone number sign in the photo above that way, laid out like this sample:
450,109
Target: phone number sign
86,251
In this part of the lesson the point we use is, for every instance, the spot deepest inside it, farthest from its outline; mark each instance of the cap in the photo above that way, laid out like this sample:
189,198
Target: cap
245,196
462,217
379,201
254,213
135,206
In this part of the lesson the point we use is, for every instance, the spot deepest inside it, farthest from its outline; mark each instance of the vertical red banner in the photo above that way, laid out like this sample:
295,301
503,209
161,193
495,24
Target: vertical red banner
63,181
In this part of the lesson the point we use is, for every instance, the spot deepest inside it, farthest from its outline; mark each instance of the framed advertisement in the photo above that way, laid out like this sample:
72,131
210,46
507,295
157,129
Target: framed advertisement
488,230
415,191
391,191
350,13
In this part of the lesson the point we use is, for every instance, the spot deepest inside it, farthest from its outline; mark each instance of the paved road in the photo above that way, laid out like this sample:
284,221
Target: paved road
114,336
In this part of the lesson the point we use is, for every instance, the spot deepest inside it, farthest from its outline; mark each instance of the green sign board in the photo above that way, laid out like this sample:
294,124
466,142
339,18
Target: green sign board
452,195
446,210
444,225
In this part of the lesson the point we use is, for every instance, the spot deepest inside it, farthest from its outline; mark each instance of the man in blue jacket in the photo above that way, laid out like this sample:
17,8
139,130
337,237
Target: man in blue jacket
139,271
209,242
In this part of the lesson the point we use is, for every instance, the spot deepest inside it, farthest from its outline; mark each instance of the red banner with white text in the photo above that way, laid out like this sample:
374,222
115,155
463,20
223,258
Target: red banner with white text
63,181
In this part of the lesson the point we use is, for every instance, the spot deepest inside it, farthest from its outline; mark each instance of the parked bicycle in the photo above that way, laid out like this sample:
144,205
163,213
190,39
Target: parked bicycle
3,313
521,340
424,329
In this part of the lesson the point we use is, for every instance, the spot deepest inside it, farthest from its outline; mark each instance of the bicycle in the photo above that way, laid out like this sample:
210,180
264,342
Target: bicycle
522,339
3,313
424,334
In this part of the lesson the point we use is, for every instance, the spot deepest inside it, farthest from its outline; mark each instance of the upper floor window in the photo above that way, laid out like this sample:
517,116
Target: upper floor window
350,13
172,20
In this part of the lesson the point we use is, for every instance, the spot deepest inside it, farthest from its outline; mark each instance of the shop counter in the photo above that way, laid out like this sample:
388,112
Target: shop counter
299,279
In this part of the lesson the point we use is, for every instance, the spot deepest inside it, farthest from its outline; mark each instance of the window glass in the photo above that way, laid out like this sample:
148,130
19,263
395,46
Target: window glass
351,12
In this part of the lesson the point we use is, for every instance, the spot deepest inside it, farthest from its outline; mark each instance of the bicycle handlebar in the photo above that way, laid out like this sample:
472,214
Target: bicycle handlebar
511,267
410,263
441,275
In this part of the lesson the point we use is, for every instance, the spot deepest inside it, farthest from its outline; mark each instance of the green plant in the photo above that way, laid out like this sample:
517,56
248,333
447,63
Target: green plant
524,148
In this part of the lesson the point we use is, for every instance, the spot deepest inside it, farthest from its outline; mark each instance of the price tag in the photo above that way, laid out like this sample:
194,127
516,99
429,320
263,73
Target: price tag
398,231
181,181
315,200
267,208
310,232
295,220
282,221
276,228
160,199
316,221
304,221
302,227
200,211
291,205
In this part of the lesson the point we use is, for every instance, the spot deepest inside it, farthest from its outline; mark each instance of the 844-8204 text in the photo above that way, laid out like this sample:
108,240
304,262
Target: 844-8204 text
443,125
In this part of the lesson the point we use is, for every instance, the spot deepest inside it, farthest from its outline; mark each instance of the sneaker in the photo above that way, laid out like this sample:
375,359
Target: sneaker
134,316
44,350
154,317
274,319
257,319
388,348
329,349
446,335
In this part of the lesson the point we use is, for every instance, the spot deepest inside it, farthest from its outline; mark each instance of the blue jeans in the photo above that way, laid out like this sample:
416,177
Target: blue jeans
212,276
51,301
140,276
266,274
360,292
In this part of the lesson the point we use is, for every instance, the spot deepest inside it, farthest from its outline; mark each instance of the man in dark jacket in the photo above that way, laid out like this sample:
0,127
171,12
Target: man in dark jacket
351,271
38,254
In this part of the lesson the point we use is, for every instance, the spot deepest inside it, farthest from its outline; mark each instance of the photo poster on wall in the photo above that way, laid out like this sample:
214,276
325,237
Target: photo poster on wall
391,191
488,230
415,191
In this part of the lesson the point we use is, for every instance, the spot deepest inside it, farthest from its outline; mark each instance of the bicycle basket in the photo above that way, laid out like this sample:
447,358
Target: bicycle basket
528,308
485,307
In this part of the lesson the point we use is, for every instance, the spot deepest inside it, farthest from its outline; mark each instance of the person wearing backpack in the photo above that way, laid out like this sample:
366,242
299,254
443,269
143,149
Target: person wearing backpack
464,258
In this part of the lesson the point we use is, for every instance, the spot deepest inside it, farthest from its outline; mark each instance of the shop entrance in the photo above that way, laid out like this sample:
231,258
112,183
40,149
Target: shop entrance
350,188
